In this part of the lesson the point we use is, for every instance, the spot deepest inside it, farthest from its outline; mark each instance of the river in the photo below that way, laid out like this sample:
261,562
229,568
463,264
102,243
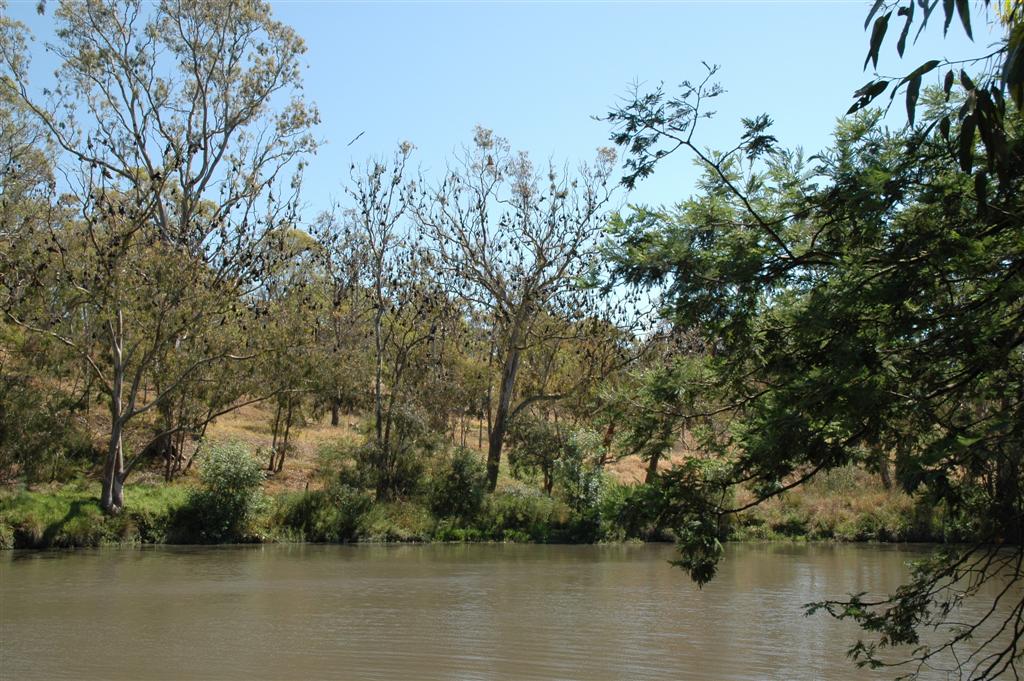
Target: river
487,612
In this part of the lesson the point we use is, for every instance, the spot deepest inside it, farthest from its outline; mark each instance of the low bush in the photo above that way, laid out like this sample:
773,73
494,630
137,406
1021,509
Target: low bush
329,515
630,512
581,485
848,504
397,521
522,514
448,530
40,437
535,444
457,489
226,505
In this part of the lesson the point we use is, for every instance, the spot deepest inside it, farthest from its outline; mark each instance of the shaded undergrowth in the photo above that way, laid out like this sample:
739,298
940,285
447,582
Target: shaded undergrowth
846,505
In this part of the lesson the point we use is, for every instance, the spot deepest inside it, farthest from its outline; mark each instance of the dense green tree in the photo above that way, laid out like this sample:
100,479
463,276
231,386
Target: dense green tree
868,299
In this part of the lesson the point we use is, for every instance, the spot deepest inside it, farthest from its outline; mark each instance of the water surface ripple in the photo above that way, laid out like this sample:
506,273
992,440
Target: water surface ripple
465,612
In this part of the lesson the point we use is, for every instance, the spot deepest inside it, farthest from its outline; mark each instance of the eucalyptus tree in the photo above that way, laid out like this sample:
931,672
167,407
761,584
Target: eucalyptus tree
38,424
293,312
421,332
381,196
412,319
176,126
515,245
346,365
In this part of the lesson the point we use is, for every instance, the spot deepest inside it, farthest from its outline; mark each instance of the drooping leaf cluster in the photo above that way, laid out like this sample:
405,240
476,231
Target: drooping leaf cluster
865,302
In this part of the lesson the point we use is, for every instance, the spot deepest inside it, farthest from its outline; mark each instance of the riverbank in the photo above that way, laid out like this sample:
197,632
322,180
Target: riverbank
847,505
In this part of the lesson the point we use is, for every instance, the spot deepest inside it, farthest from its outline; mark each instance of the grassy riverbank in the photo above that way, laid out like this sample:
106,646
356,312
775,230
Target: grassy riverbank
845,505
70,516
325,493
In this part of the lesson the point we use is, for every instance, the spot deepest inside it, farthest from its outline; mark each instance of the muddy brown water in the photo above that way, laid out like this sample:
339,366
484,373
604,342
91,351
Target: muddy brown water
486,612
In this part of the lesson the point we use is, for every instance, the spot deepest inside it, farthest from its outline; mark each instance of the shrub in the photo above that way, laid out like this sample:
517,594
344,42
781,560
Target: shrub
521,515
6,535
581,485
330,515
457,490
535,445
228,500
629,512
334,459
447,531
399,521
395,470
39,438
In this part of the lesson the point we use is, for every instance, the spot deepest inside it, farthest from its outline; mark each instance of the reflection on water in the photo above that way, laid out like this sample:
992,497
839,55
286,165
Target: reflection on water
431,612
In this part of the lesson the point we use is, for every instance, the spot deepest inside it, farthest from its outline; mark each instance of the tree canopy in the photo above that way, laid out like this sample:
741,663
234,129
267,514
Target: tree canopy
865,301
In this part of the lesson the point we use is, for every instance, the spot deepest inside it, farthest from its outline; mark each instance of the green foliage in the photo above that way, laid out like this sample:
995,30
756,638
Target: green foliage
230,498
579,482
457,489
631,512
449,531
535,444
522,514
332,458
391,473
867,299
395,468
330,515
397,521
39,440
845,504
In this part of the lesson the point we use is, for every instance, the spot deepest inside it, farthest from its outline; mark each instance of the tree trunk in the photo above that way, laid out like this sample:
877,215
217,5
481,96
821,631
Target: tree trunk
335,413
287,434
112,496
652,467
273,437
164,447
883,469
378,400
609,439
497,434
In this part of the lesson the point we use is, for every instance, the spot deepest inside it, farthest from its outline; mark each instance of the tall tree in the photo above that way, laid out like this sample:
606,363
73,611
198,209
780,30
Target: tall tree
345,362
412,319
175,123
515,244
381,195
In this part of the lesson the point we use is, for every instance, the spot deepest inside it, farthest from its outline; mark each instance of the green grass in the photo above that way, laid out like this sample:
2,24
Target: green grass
70,516
845,505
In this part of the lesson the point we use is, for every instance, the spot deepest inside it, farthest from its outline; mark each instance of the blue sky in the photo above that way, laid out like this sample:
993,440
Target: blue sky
536,72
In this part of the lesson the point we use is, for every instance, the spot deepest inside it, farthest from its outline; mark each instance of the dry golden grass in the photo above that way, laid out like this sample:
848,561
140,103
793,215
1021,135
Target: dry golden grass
633,470
848,503
252,426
